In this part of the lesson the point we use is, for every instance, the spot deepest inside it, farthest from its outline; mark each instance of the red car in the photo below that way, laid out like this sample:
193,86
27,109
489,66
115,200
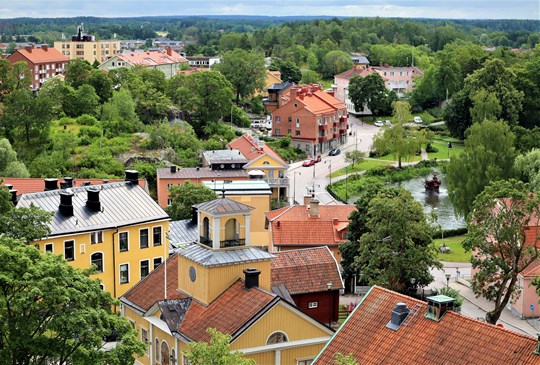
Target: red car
317,159
309,162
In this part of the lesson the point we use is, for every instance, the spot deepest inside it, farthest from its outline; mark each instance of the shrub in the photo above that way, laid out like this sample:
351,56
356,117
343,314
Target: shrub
86,119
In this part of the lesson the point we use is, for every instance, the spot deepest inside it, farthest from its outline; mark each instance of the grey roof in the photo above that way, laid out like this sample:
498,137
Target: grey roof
240,187
223,206
199,173
207,257
361,60
224,156
182,232
122,204
281,291
174,311
280,86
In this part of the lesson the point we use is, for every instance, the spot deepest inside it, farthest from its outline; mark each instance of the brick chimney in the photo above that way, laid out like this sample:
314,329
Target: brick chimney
45,47
29,48
169,50
314,208
307,199
293,93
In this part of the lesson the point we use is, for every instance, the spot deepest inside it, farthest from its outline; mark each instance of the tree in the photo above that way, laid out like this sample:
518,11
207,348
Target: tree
84,100
9,165
310,77
504,237
370,93
335,62
54,313
354,156
101,83
26,224
245,71
397,245
341,359
216,351
485,106
528,169
184,196
289,71
488,156
77,72
5,199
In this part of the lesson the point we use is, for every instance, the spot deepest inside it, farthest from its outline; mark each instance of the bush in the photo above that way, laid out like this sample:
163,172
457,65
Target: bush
430,148
438,128
450,232
86,119
89,133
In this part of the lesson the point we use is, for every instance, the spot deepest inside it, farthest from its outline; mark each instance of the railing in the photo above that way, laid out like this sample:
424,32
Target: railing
323,127
233,243
278,181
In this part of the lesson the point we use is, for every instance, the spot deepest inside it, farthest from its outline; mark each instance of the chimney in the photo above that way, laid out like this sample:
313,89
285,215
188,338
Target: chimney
438,305
93,202
293,93
399,313
66,203
335,221
51,184
314,207
173,169
29,48
13,196
132,176
87,183
251,278
45,47
64,185
8,186
69,181
105,181
307,199
169,51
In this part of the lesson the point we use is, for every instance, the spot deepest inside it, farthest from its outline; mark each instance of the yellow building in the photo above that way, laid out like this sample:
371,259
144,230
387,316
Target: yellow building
117,227
86,47
223,283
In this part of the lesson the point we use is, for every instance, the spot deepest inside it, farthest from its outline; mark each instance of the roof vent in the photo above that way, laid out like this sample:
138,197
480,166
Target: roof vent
251,278
13,196
69,181
8,186
399,313
438,305
173,169
66,203
64,185
132,176
93,202
105,181
87,183
51,184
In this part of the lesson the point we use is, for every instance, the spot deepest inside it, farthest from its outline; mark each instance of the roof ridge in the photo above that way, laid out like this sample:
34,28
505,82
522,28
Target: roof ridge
152,273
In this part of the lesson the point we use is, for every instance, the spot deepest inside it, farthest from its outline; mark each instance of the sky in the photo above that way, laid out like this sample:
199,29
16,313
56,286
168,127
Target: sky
454,9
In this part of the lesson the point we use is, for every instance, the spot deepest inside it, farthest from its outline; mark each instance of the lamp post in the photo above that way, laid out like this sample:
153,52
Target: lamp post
331,300
330,168
294,186
346,184
447,280
413,283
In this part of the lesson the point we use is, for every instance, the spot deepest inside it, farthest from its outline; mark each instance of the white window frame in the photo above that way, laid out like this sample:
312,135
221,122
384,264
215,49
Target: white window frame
96,237
144,339
51,244
313,305
305,361
120,272
140,268
74,253
147,237
127,233
102,260
154,262
160,235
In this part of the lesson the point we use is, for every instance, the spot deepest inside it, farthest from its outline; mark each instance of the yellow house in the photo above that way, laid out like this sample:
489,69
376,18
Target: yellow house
117,227
254,193
272,77
264,163
86,47
220,282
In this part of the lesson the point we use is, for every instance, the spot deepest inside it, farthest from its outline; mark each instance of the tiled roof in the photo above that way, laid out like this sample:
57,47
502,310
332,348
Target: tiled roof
40,55
150,290
36,185
122,204
532,270
455,339
153,58
223,206
200,173
253,148
322,230
207,257
357,71
306,270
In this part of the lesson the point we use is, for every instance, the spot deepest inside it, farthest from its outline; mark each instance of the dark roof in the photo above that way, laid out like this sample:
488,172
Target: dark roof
223,206
200,173
224,156
280,86
455,339
207,257
281,291
182,232
122,204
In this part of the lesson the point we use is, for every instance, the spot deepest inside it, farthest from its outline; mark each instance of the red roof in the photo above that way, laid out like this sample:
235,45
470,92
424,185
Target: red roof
306,271
358,71
325,229
42,55
532,270
455,339
314,99
35,185
252,149
152,58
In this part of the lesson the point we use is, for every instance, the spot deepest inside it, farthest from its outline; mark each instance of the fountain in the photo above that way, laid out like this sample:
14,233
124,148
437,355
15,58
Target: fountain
432,186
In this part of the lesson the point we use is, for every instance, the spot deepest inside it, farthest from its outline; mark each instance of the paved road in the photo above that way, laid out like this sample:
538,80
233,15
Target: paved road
316,176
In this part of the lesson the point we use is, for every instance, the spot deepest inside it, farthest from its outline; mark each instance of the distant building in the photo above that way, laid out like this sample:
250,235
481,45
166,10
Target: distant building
203,61
360,60
168,61
164,43
43,62
273,100
224,159
131,44
86,47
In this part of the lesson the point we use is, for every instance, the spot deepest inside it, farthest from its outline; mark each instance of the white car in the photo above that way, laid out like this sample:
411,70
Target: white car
379,123
417,120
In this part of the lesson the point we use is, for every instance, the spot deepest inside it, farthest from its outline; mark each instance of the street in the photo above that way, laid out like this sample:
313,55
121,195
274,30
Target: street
317,176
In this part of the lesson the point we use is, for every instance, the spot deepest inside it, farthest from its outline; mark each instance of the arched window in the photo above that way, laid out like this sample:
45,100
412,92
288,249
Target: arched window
206,230
157,350
276,337
231,231
164,353
173,356
97,259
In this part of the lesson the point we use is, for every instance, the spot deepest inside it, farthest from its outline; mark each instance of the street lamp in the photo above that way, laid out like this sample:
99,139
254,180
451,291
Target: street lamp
346,184
329,285
413,282
294,186
447,279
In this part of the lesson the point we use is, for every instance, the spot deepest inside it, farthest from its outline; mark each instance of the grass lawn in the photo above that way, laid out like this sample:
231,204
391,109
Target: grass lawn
366,165
443,150
391,158
457,253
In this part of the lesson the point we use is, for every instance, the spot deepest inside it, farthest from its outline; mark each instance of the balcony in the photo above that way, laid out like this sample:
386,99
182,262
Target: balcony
323,127
343,119
222,244
323,139
282,181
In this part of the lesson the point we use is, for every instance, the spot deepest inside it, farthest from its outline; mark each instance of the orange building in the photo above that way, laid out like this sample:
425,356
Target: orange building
315,120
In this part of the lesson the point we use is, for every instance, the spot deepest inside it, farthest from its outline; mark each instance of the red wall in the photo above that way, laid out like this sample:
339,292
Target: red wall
328,305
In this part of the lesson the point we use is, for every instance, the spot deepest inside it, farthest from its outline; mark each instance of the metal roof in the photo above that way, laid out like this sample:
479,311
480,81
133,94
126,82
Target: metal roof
200,173
224,156
122,204
183,232
207,257
223,206
239,187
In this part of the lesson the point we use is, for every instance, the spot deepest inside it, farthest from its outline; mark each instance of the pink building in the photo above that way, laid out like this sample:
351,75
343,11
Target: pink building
528,296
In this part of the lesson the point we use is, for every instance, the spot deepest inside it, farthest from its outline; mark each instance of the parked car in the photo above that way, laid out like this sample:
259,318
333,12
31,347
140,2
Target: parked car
334,152
379,123
388,123
317,158
309,162
417,120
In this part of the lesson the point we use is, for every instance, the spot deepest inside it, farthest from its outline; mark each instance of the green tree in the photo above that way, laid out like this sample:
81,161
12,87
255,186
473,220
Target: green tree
84,100
54,313
244,70
335,62
26,224
354,156
488,156
121,109
503,216
289,71
397,245
216,351
9,165
5,199
77,72
528,169
485,106
310,77
370,93
101,83
341,359
184,196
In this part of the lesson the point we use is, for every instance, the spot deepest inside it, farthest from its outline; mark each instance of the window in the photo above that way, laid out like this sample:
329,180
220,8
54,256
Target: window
123,241
157,236
97,259
101,287
277,120
69,250
276,337
143,238
124,273
392,73
157,262
297,133
156,349
289,132
289,119
297,122
132,324
144,338
304,362
96,237
169,201
400,73
313,305
278,132
185,360
49,248
145,268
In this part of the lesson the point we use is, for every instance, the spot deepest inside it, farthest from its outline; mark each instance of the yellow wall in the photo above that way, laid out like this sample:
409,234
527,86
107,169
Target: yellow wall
261,203
133,256
91,51
211,282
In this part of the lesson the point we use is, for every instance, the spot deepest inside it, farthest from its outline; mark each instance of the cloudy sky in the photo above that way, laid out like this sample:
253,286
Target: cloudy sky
457,9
